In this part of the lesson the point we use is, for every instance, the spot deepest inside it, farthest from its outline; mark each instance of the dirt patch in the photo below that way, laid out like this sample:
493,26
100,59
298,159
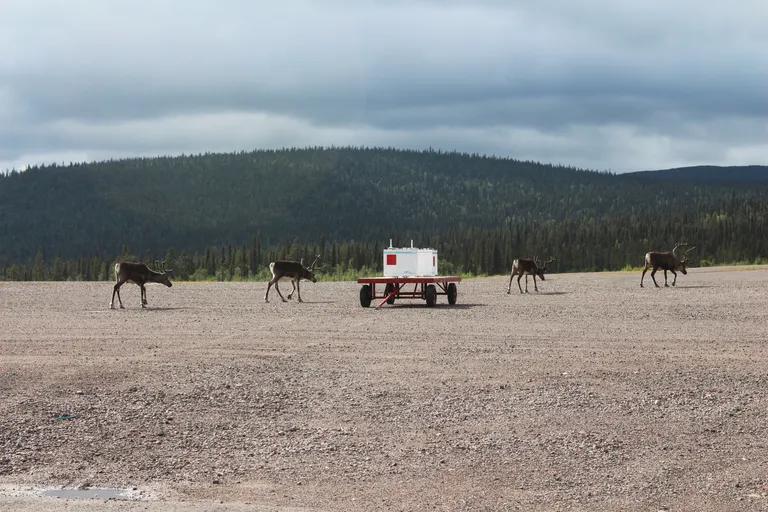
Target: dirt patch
592,395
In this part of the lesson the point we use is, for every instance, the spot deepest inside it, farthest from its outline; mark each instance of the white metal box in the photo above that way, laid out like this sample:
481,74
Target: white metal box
409,261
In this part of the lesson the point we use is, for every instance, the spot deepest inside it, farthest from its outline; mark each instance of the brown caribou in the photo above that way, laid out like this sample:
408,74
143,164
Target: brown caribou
528,267
140,274
293,271
666,261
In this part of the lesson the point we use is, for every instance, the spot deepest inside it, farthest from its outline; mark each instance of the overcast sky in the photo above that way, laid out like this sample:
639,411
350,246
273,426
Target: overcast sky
598,84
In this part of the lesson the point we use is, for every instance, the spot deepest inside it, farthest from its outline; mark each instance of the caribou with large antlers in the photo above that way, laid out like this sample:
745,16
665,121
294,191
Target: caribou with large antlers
528,267
666,261
293,271
140,274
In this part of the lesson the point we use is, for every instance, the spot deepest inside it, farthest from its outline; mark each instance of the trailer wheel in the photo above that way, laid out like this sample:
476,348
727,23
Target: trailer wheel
387,290
431,295
453,292
366,296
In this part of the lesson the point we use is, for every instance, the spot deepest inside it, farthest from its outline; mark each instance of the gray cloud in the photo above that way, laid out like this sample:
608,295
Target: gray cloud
597,84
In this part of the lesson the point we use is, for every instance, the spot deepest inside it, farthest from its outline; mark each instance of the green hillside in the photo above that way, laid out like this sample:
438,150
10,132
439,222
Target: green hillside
346,203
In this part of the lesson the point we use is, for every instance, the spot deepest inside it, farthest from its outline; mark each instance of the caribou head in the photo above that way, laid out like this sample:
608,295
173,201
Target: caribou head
682,261
162,275
541,267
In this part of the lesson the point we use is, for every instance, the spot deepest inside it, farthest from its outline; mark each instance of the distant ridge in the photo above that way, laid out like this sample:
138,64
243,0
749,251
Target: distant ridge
479,211
707,174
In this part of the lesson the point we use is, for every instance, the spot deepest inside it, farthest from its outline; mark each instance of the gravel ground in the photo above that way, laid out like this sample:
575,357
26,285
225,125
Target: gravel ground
594,394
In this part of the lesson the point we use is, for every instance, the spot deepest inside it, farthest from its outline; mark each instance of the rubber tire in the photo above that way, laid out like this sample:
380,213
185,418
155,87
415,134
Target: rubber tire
365,296
453,293
387,290
431,295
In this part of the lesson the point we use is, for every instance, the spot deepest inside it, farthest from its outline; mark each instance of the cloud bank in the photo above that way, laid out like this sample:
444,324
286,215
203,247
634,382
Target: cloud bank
596,84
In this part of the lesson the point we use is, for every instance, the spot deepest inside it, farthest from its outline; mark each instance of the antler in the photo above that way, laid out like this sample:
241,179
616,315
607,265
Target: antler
160,267
679,245
317,258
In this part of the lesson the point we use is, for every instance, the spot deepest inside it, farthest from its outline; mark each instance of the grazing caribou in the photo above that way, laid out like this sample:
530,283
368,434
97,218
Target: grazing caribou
667,261
140,274
293,271
528,267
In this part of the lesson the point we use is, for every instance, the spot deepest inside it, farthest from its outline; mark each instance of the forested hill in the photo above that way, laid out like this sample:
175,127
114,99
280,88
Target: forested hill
346,203
706,175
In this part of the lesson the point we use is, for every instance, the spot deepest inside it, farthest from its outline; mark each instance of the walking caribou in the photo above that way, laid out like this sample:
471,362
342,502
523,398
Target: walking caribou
140,274
293,271
667,261
528,267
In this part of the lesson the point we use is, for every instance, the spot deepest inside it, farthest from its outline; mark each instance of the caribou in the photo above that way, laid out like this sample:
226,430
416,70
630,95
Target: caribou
140,274
528,267
293,271
667,261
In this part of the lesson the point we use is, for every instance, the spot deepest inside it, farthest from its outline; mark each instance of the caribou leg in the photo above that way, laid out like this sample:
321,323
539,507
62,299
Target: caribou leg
534,284
519,277
675,279
298,288
643,276
290,295
269,285
665,279
511,276
143,296
116,290
278,291
526,283
653,274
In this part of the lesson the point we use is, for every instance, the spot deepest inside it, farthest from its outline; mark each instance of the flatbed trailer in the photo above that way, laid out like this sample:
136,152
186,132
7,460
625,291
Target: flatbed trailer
424,288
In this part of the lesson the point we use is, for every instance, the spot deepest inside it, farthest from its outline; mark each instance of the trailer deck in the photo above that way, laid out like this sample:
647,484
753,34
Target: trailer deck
425,288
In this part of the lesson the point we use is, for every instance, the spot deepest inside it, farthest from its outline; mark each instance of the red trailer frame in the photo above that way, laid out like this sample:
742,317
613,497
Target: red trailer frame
424,288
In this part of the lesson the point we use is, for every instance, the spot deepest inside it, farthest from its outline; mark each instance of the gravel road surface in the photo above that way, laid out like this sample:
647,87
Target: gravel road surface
593,394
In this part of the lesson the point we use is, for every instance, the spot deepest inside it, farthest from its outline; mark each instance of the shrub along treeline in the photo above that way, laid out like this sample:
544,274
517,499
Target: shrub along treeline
226,216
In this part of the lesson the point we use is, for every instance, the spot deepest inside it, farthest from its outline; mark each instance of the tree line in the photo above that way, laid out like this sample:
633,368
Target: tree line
577,246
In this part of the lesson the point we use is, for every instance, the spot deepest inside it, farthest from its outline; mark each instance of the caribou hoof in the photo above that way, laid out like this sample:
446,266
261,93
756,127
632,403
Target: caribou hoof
666,285
266,301
122,307
301,300
285,300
